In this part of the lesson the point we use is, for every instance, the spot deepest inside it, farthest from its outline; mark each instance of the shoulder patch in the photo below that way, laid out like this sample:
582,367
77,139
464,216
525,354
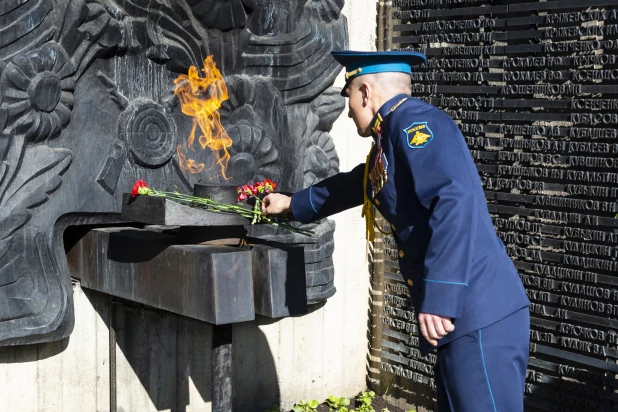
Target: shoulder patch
418,135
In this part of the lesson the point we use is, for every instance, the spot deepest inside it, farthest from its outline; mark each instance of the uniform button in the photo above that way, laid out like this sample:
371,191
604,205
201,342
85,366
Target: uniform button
410,282
401,254
377,202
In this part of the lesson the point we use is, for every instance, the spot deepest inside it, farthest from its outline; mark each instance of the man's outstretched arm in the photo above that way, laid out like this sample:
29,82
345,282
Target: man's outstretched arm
328,197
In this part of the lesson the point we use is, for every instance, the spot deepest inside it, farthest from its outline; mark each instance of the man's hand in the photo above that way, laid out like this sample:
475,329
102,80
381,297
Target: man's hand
434,327
276,203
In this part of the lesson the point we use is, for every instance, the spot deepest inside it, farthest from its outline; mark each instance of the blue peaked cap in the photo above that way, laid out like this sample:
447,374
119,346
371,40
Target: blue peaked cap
358,63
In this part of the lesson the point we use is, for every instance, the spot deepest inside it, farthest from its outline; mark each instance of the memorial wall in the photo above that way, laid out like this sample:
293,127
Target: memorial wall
533,87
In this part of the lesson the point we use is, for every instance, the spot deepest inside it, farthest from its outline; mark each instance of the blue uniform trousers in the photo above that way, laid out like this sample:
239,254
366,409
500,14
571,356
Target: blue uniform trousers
485,370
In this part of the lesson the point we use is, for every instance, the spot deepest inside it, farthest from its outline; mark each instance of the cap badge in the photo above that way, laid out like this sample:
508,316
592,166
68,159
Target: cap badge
353,73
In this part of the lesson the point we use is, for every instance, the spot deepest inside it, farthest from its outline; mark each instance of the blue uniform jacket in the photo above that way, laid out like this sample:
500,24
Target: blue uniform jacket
449,254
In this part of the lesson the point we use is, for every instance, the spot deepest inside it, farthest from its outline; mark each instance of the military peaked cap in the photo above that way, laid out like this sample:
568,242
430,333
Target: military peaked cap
358,63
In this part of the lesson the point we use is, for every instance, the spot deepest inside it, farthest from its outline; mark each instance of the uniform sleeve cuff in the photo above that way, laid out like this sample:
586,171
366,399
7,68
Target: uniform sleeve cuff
444,298
302,206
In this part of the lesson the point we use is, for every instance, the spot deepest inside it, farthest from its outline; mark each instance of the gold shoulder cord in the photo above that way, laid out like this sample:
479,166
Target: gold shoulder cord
367,213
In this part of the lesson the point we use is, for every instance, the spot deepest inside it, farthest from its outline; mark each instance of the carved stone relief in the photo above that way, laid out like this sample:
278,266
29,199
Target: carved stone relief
87,107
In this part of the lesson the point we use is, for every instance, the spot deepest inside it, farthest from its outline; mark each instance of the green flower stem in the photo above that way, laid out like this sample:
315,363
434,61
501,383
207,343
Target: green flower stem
254,215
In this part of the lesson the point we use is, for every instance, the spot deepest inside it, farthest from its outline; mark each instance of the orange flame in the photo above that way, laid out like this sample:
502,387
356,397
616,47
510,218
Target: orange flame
201,98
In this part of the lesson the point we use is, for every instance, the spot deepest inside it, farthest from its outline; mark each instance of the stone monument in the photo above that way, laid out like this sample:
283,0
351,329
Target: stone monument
87,106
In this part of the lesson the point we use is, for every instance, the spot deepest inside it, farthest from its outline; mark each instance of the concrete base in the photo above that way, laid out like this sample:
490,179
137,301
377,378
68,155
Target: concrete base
123,357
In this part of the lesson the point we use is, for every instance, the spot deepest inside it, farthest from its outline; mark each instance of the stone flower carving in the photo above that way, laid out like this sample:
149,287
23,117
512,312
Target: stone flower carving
253,155
321,160
38,92
254,118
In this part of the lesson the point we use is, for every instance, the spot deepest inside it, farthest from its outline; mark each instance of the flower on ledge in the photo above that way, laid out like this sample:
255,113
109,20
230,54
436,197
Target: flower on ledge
244,192
140,188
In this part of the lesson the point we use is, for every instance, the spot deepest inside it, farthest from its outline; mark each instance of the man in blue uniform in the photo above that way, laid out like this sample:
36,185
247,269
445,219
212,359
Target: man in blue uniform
419,174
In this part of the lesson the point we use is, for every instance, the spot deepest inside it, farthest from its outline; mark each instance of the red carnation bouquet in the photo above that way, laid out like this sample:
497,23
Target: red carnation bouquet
254,193
246,193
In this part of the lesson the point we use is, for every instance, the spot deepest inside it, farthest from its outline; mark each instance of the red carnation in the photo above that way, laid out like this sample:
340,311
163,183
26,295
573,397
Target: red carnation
242,196
247,189
269,185
137,186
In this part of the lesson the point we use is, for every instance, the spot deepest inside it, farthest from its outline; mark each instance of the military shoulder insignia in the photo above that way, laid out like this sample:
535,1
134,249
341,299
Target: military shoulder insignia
418,135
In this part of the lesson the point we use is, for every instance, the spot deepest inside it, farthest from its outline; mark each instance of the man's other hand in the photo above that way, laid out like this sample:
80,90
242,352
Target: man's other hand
276,203
435,327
